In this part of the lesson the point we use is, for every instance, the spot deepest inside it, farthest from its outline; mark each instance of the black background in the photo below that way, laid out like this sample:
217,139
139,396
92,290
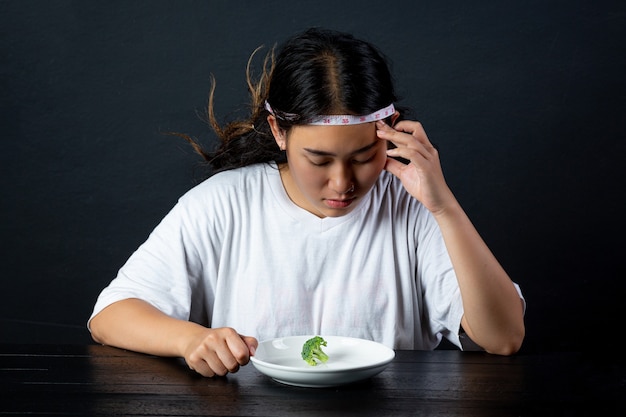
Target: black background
525,99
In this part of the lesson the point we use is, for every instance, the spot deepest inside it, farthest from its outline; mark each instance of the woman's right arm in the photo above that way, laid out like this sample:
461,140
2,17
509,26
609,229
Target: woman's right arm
136,325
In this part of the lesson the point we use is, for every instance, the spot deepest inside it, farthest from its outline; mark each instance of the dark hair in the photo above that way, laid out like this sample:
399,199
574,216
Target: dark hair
317,72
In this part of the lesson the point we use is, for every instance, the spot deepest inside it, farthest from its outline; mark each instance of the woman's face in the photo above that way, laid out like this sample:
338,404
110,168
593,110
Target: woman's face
330,168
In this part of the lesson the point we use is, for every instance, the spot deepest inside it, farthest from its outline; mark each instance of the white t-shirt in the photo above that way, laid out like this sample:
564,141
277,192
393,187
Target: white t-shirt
235,251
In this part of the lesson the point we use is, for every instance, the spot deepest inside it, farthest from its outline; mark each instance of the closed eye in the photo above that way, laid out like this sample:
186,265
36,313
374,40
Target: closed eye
355,161
320,164
322,158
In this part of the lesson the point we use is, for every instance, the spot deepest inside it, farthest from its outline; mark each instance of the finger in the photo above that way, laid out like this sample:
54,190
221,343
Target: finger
202,367
240,347
221,363
394,166
399,139
228,358
409,126
404,133
208,361
413,150
415,156
236,351
252,344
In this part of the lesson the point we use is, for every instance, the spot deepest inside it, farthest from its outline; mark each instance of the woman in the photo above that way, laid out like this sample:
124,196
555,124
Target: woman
325,214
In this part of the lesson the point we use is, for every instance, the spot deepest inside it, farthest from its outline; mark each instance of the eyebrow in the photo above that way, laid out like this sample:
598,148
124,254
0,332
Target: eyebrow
358,151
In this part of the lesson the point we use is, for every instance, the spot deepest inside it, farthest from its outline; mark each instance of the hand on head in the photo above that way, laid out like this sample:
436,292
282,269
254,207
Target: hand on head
422,175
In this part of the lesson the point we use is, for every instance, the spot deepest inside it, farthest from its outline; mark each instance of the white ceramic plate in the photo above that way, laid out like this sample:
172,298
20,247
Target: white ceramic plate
349,360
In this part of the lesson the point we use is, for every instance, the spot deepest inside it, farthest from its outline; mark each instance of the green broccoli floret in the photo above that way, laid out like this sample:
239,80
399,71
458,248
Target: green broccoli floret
312,351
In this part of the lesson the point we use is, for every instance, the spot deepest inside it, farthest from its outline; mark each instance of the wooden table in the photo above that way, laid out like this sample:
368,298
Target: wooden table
98,380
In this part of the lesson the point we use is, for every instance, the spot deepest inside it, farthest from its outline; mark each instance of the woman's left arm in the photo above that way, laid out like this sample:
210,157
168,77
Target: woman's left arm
493,311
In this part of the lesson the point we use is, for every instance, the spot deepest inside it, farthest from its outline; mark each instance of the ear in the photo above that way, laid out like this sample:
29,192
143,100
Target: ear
277,132
394,117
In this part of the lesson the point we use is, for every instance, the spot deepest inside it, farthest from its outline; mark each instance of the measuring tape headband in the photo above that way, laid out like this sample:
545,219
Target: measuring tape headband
337,119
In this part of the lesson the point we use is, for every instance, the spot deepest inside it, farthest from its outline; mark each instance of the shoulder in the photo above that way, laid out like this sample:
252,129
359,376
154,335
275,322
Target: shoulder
228,192
233,181
237,176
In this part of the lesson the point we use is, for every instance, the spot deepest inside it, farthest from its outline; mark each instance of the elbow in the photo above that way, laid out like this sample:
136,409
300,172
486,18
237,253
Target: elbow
97,339
506,349
95,330
509,345
505,339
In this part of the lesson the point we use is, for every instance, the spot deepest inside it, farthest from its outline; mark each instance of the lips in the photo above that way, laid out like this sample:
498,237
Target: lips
338,204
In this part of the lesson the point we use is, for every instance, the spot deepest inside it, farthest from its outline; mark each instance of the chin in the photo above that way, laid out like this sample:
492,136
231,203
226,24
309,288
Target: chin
328,212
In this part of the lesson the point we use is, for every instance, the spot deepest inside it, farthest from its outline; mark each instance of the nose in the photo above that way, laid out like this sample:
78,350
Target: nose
342,181
345,190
